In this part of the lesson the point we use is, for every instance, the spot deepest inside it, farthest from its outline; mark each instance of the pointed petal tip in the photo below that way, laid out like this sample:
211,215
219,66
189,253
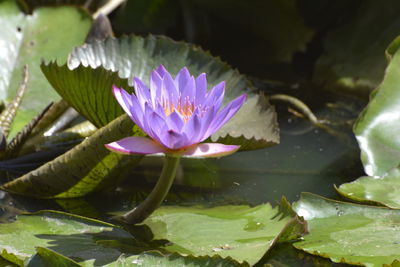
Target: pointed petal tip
210,150
136,145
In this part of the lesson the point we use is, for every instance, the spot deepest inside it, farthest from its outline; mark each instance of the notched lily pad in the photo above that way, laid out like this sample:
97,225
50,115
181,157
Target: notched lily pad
135,57
349,233
384,190
86,168
241,232
86,241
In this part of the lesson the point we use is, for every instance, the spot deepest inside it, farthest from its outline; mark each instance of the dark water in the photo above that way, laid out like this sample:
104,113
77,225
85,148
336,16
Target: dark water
308,159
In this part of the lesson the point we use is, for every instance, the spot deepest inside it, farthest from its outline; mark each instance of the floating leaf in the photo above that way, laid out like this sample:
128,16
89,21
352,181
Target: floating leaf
86,168
378,125
384,190
173,260
87,86
353,58
240,232
350,233
87,241
26,39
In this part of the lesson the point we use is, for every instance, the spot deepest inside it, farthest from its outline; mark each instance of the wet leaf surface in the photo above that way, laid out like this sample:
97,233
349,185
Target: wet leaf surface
378,125
240,232
384,190
350,233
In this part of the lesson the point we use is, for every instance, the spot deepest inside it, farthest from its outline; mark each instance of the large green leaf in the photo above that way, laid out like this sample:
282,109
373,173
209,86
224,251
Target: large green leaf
153,258
173,260
353,57
49,33
384,190
86,168
241,232
378,125
76,237
351,233
254,126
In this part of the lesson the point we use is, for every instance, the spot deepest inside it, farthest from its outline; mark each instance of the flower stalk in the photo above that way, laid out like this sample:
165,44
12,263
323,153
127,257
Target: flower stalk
157,196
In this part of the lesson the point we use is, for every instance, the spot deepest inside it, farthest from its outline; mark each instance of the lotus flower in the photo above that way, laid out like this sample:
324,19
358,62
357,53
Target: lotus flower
177,114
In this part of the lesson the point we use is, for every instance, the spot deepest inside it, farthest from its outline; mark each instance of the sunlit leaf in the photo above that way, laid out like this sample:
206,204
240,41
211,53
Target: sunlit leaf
378,125
49,33
240,232
350,233
173,260
86,168
87,241
384,190
87,86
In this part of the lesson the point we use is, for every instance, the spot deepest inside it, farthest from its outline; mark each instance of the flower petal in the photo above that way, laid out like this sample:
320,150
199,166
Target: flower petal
209,150
182,77
130,105
161,70
175,122
136,145
142,92
192,129
155,86
169,91
201,89
188,92
226,114
123,98
174,140
215,96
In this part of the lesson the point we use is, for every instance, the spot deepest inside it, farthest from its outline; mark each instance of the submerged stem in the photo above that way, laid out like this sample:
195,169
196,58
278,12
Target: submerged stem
156,197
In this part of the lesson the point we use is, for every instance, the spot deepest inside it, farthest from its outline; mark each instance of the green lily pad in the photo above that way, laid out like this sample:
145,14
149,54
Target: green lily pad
384,190
378,125
136,56
27,39
78,238
349,233
173,260
241,232
87,167
52,258
353,58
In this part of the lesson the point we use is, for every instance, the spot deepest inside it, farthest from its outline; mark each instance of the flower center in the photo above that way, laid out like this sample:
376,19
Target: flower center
185,107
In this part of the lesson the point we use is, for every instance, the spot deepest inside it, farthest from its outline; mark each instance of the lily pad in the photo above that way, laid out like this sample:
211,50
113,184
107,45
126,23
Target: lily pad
52,258
173,260
353,58
87,167
78,238
26,39
384,190
254,126
241,232
378,125
349,233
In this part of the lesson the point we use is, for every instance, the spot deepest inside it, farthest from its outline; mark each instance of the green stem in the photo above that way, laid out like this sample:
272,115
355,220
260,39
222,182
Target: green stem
156,197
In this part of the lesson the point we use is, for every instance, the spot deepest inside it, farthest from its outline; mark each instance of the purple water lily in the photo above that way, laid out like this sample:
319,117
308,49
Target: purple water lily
178,114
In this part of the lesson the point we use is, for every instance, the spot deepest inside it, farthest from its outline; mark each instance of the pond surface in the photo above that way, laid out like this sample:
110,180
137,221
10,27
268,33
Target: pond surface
308,159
